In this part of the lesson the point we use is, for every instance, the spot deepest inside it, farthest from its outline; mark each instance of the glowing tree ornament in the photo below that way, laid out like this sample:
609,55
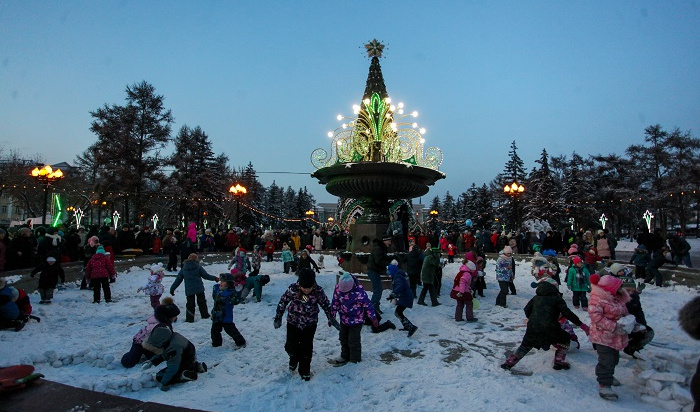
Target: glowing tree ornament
603,220
154,219
571,222
647,216
115,219
78,214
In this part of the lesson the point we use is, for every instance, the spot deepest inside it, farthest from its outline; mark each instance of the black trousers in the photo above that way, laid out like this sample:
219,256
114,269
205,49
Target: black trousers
100,283
201,302
351,342
501,298
188,362
230,329
300,347
428,287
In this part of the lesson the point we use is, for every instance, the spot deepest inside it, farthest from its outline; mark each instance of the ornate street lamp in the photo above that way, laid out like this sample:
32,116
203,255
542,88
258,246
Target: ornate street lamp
46,175
238,191
514,190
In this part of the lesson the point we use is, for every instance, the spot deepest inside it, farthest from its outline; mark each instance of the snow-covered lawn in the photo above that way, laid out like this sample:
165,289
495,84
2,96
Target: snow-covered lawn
444,366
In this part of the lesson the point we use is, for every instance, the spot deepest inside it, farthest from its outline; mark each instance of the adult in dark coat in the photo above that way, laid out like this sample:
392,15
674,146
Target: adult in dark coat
21,254
376,266
192,273
125,238
543,327
414,263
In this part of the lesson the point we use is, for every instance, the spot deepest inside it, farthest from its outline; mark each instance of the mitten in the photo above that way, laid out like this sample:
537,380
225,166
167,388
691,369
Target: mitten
172,293
391,296
277,323
585,328
164,388
334,323
375,323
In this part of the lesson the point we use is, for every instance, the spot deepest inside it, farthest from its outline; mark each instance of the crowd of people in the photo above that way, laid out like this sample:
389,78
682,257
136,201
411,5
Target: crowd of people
606,290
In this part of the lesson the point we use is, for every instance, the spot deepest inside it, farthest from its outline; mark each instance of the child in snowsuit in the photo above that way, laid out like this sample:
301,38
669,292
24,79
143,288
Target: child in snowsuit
606,308
192,273
287,257
578,281
640,259
225,298
137,351
98,273
461,292
154,288
543,327
302,301
479,282
10,316
553,262
255,261
351,302
51,271
642,333
176,350
505,272
401,292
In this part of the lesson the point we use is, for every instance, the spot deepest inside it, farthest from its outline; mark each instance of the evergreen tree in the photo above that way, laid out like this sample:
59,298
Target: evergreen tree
541,200
577,194
129,140
448,212
274,205
684,174
483,214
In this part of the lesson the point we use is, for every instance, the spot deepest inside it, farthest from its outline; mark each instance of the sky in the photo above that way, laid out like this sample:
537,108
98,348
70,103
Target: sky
266,80
444,366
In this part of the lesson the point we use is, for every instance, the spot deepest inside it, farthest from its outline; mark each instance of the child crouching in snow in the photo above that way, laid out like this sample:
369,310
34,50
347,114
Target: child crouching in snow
225,298
163,315
606,307
543,328
302,301
176,350
154,288
351,302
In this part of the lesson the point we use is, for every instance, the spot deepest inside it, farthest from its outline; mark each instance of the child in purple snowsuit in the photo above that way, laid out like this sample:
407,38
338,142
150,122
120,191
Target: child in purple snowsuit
352,303
154,288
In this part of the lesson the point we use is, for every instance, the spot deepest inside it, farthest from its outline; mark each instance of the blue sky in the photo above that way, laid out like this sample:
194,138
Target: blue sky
266,79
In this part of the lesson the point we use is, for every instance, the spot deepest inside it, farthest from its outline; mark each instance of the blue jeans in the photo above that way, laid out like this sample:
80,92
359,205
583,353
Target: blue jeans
376,280
685,260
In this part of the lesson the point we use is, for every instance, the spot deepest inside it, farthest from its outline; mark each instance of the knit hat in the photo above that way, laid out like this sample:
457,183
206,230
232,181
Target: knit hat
93,241
549,252
227,277
610,284
192,256
615,268
507,250
166,311
346,283
101,250
576,260
157,267
304,251
50,259
470,266
689,318
307,278
14,292
573,249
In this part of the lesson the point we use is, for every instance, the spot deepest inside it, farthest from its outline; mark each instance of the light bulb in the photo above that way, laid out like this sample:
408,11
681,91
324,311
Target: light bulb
400,105
339,117
414,114
388,100
355,108
400,111
392,108
422,130
345,126
330,134
366,101
422,141
414,125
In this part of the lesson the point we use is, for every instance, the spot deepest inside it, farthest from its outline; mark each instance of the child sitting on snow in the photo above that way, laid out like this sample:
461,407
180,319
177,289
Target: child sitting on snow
543,327
162,314
176,350
225,298
154,288
351,302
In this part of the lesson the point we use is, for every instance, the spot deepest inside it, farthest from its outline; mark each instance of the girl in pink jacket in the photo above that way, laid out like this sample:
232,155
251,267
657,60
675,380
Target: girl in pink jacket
606,307
462,293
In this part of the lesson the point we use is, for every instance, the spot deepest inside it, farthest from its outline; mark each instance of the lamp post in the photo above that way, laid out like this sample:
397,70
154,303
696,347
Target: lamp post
238,191
46,175
309,215
514,190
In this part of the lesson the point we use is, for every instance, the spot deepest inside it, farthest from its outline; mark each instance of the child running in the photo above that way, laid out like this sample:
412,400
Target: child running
351,302
225,298
302,301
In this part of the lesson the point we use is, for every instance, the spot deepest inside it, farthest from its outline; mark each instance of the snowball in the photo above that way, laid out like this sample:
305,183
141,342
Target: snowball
100,386
57,364
78,360
108,358
136,386
86,385
51,355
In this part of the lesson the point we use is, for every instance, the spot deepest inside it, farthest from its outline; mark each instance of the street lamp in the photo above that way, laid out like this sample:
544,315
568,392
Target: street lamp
238,191
514,190
46,175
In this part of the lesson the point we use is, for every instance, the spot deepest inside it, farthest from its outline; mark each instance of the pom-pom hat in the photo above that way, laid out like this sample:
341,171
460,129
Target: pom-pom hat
576,260
610,284
346,283
157,267
101,250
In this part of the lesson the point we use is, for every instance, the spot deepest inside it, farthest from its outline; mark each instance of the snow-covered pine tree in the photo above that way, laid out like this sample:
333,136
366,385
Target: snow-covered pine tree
541,200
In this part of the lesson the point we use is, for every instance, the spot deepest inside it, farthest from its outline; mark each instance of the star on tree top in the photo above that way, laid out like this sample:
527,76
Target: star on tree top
374,48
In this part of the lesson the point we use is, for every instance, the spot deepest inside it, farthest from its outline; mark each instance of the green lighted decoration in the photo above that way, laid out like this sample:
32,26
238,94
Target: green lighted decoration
58,208
115,219
380,132
154,219
603,219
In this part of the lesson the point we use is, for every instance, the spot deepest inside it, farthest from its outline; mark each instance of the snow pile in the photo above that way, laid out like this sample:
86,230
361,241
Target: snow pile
665,385
445,363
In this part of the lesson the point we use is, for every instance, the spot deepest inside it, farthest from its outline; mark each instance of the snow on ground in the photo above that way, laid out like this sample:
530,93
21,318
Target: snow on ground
444,366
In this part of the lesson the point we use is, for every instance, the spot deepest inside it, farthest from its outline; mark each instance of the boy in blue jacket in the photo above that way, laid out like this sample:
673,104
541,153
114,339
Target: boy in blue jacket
402,293
225,298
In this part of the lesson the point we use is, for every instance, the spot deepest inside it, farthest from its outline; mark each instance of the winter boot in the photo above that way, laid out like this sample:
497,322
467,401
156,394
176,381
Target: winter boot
607,393
201,367
616,382
511,361
560,357
189,376
408,326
